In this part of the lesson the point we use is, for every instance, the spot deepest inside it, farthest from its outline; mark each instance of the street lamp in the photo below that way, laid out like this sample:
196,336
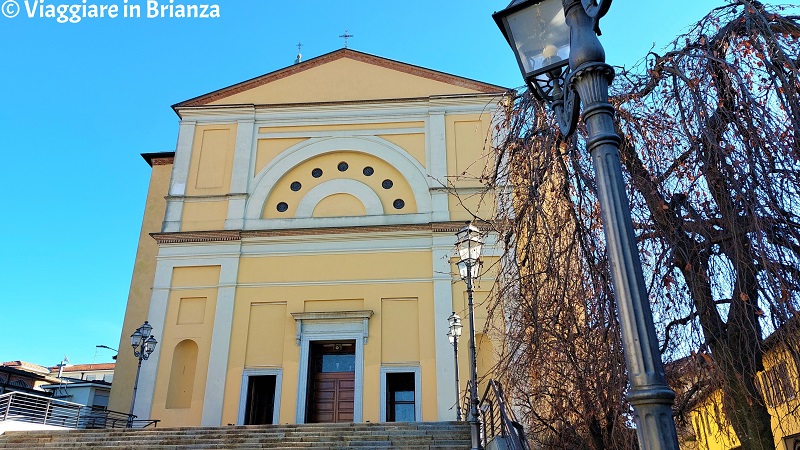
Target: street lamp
566,75
453,334
469,242
109,348
143,344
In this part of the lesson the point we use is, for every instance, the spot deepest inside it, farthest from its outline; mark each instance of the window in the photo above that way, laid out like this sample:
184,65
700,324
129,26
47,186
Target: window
777,386
792,442
20,383
100,401
401,397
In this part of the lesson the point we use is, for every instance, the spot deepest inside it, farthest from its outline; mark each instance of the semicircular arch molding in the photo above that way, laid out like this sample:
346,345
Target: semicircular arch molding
406,164
365,194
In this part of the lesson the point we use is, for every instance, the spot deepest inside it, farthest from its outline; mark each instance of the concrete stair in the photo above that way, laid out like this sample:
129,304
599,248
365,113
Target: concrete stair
362,436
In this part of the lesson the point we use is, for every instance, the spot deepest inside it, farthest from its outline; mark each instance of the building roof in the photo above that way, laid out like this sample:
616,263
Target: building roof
26,366
84,367
345,53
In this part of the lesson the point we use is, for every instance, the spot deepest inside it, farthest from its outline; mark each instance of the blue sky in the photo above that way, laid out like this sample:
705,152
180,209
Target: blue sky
81,101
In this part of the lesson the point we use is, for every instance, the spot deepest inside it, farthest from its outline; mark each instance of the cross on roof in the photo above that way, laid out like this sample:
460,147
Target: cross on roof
346,37
299,45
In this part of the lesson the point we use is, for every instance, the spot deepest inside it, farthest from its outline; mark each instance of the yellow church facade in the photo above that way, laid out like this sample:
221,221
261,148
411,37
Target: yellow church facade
296,255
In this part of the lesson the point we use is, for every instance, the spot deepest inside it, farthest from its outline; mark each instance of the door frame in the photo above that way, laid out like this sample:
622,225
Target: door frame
341,328
276,408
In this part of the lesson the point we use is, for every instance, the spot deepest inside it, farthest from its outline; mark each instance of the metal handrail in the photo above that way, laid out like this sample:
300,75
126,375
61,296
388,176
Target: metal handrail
499,420
30,408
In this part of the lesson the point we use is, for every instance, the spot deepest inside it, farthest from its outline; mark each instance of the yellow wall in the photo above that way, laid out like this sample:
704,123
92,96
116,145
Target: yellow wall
139,296
204,215
468,154
343,80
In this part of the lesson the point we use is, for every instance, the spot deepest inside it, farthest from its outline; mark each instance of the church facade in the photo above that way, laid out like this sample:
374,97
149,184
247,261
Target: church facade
296,256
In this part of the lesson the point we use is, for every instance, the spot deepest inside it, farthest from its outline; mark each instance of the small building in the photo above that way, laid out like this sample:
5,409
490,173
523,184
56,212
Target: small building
22,376
779,384
85,372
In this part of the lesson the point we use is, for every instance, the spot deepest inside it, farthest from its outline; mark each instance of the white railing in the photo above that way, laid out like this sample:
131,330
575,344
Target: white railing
30,408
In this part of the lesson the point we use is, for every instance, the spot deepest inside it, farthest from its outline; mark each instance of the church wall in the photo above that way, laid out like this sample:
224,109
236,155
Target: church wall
141,283
189,317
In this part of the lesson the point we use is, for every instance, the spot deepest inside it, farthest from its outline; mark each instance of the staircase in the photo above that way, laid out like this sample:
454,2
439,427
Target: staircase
410,436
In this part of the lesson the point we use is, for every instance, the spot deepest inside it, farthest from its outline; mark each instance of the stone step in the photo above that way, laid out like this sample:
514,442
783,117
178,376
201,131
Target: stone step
359,436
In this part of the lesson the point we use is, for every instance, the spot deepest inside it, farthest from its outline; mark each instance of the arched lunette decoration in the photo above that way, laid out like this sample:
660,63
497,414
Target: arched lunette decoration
411,169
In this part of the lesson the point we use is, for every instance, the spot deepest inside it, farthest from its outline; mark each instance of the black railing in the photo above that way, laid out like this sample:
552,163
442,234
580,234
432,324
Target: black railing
498,420
30,408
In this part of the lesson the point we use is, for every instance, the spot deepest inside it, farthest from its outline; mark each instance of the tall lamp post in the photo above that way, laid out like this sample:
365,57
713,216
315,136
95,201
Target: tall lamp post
469,243
556,45
143,344
455,332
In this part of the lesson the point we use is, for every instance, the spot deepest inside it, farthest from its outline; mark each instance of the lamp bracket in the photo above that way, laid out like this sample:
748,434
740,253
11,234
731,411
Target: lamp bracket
596,9
567,106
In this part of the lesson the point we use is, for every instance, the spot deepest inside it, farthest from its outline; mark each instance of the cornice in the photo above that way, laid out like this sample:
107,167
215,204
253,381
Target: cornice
159,158
233,113
238,235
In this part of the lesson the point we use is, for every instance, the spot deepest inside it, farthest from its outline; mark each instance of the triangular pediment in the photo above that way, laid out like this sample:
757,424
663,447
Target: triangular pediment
342,76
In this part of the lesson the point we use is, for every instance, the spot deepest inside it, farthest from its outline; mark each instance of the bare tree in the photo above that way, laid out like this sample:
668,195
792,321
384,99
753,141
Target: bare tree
712,158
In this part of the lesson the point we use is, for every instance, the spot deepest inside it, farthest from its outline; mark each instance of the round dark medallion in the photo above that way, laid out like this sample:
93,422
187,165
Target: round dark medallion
387,184
282,207
342,166
296,186
368,171
399,204
316,173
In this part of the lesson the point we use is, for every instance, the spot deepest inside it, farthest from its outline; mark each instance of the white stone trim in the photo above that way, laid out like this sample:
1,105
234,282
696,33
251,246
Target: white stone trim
345,112
436,151
359,190
156,316
443,247
329,222
242,155
276,408
334,329
417,389
346,243
310,322
406,164
180,176
220,343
